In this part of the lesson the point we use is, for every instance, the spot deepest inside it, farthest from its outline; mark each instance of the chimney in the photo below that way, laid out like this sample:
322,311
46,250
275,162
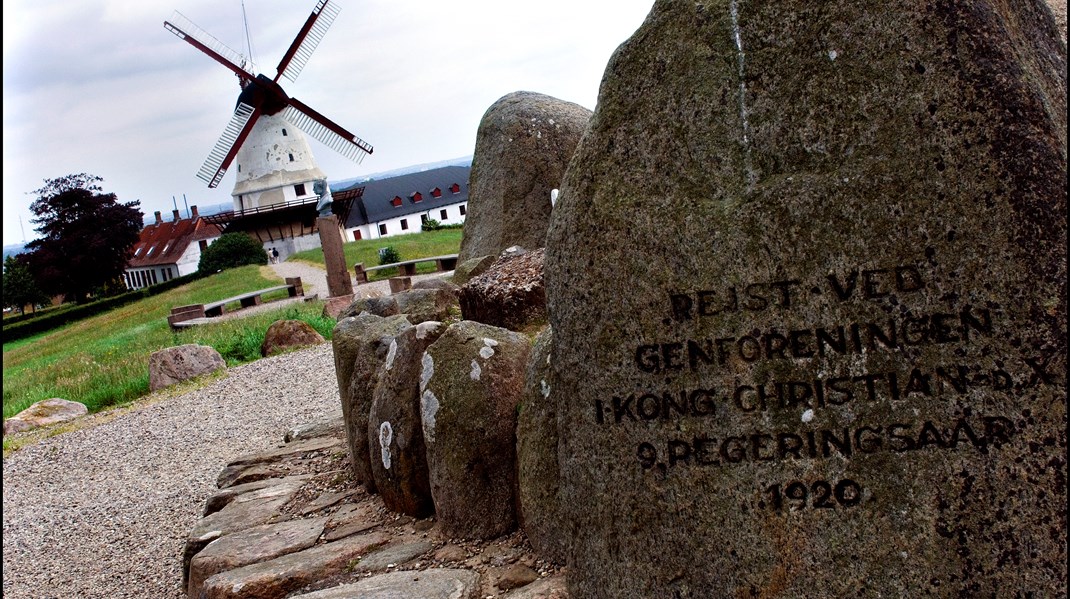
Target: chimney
159,219
177,217
193,210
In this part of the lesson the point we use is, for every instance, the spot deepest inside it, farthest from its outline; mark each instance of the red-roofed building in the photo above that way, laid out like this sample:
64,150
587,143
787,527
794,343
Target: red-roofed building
167,250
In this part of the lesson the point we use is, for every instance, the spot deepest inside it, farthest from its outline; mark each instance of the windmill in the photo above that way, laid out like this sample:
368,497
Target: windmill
262,97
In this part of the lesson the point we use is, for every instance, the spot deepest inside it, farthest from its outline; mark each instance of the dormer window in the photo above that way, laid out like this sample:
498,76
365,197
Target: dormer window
455,188
417,197
436,193
396,202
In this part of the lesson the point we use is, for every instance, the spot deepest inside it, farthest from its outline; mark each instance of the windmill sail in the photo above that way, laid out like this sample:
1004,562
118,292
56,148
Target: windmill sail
305,43
219,159
203,41
326,131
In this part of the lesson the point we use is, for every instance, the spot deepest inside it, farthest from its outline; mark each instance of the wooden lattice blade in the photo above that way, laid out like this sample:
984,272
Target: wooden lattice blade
307,39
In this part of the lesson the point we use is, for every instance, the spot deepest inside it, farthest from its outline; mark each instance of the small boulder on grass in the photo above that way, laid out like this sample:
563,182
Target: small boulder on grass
44,413
175,364
289,334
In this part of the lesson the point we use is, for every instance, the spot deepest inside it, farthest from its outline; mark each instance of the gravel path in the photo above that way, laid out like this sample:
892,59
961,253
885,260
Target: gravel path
104,511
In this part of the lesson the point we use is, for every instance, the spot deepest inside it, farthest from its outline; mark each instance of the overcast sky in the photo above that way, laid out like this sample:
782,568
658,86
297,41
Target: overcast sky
99,86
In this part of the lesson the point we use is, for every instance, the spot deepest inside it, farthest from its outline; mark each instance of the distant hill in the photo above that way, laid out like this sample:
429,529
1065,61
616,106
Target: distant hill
11,250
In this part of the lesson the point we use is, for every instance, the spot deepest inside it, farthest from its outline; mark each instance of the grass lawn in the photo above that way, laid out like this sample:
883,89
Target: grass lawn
415,245
103,360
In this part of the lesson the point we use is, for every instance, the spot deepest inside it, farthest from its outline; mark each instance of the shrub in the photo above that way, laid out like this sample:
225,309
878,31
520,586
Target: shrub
229,251
388,255
431,225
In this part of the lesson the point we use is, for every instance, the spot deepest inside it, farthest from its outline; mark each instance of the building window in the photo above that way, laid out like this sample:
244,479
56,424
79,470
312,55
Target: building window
417,197
462,209
382,229
423,219
300,189
239,168
436,192
170,273
154,281
284,132
291,157
455,188
404,224
202,244
356,234
396,202
442,214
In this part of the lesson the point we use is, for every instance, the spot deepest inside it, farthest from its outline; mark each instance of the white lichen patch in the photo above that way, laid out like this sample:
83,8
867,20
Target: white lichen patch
545,389
391,354
428,410
487,350
425,328
386,434
808,415
427,371
833,54
476,370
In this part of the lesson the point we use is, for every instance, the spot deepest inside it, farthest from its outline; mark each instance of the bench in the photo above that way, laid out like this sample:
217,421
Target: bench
253,298
407,268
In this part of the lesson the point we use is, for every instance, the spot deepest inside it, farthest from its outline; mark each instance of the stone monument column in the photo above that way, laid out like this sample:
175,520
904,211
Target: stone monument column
338,281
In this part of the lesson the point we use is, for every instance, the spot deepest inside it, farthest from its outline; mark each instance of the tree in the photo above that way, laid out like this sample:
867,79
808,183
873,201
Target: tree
230,250
86,236
20,289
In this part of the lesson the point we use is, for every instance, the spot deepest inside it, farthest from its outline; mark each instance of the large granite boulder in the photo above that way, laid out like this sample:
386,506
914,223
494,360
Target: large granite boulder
44,413
176,364
470,383
807,282
537,471
523,146
285,335
379,306
510,294
395,431
360,345
426,305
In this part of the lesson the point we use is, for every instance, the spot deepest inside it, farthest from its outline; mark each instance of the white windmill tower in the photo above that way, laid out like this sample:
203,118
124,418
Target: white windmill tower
265,137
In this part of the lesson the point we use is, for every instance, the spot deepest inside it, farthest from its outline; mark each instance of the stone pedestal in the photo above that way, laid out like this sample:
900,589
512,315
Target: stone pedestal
338,281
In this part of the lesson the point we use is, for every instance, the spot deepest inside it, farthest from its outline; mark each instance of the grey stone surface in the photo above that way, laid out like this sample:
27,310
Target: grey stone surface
538,476
425,584
510,294
395,431
321,428
221,498
551,587
176,364
523,144
807,281
262,506
44,413
360,346
423,305
395,554
252,545
279,577
379,306
472,267
471,382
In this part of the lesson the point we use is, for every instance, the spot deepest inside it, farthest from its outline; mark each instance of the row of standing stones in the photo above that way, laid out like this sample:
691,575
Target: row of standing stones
806,282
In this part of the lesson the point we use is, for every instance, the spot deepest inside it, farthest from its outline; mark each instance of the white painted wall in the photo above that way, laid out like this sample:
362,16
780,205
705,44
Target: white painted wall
393,225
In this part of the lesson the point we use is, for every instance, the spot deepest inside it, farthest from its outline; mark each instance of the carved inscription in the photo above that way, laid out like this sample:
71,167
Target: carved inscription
719,359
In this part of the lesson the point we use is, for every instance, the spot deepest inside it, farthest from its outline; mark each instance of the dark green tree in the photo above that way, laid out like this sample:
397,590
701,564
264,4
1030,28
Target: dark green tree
20,289
230,250
86,236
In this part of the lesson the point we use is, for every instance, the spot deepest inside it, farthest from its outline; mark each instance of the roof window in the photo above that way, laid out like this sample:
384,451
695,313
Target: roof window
396,202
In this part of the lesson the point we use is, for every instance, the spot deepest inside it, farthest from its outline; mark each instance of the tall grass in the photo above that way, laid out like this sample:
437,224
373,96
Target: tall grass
415,245
103,360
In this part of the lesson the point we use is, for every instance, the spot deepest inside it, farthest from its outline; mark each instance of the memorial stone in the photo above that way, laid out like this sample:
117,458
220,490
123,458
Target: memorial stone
822,352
